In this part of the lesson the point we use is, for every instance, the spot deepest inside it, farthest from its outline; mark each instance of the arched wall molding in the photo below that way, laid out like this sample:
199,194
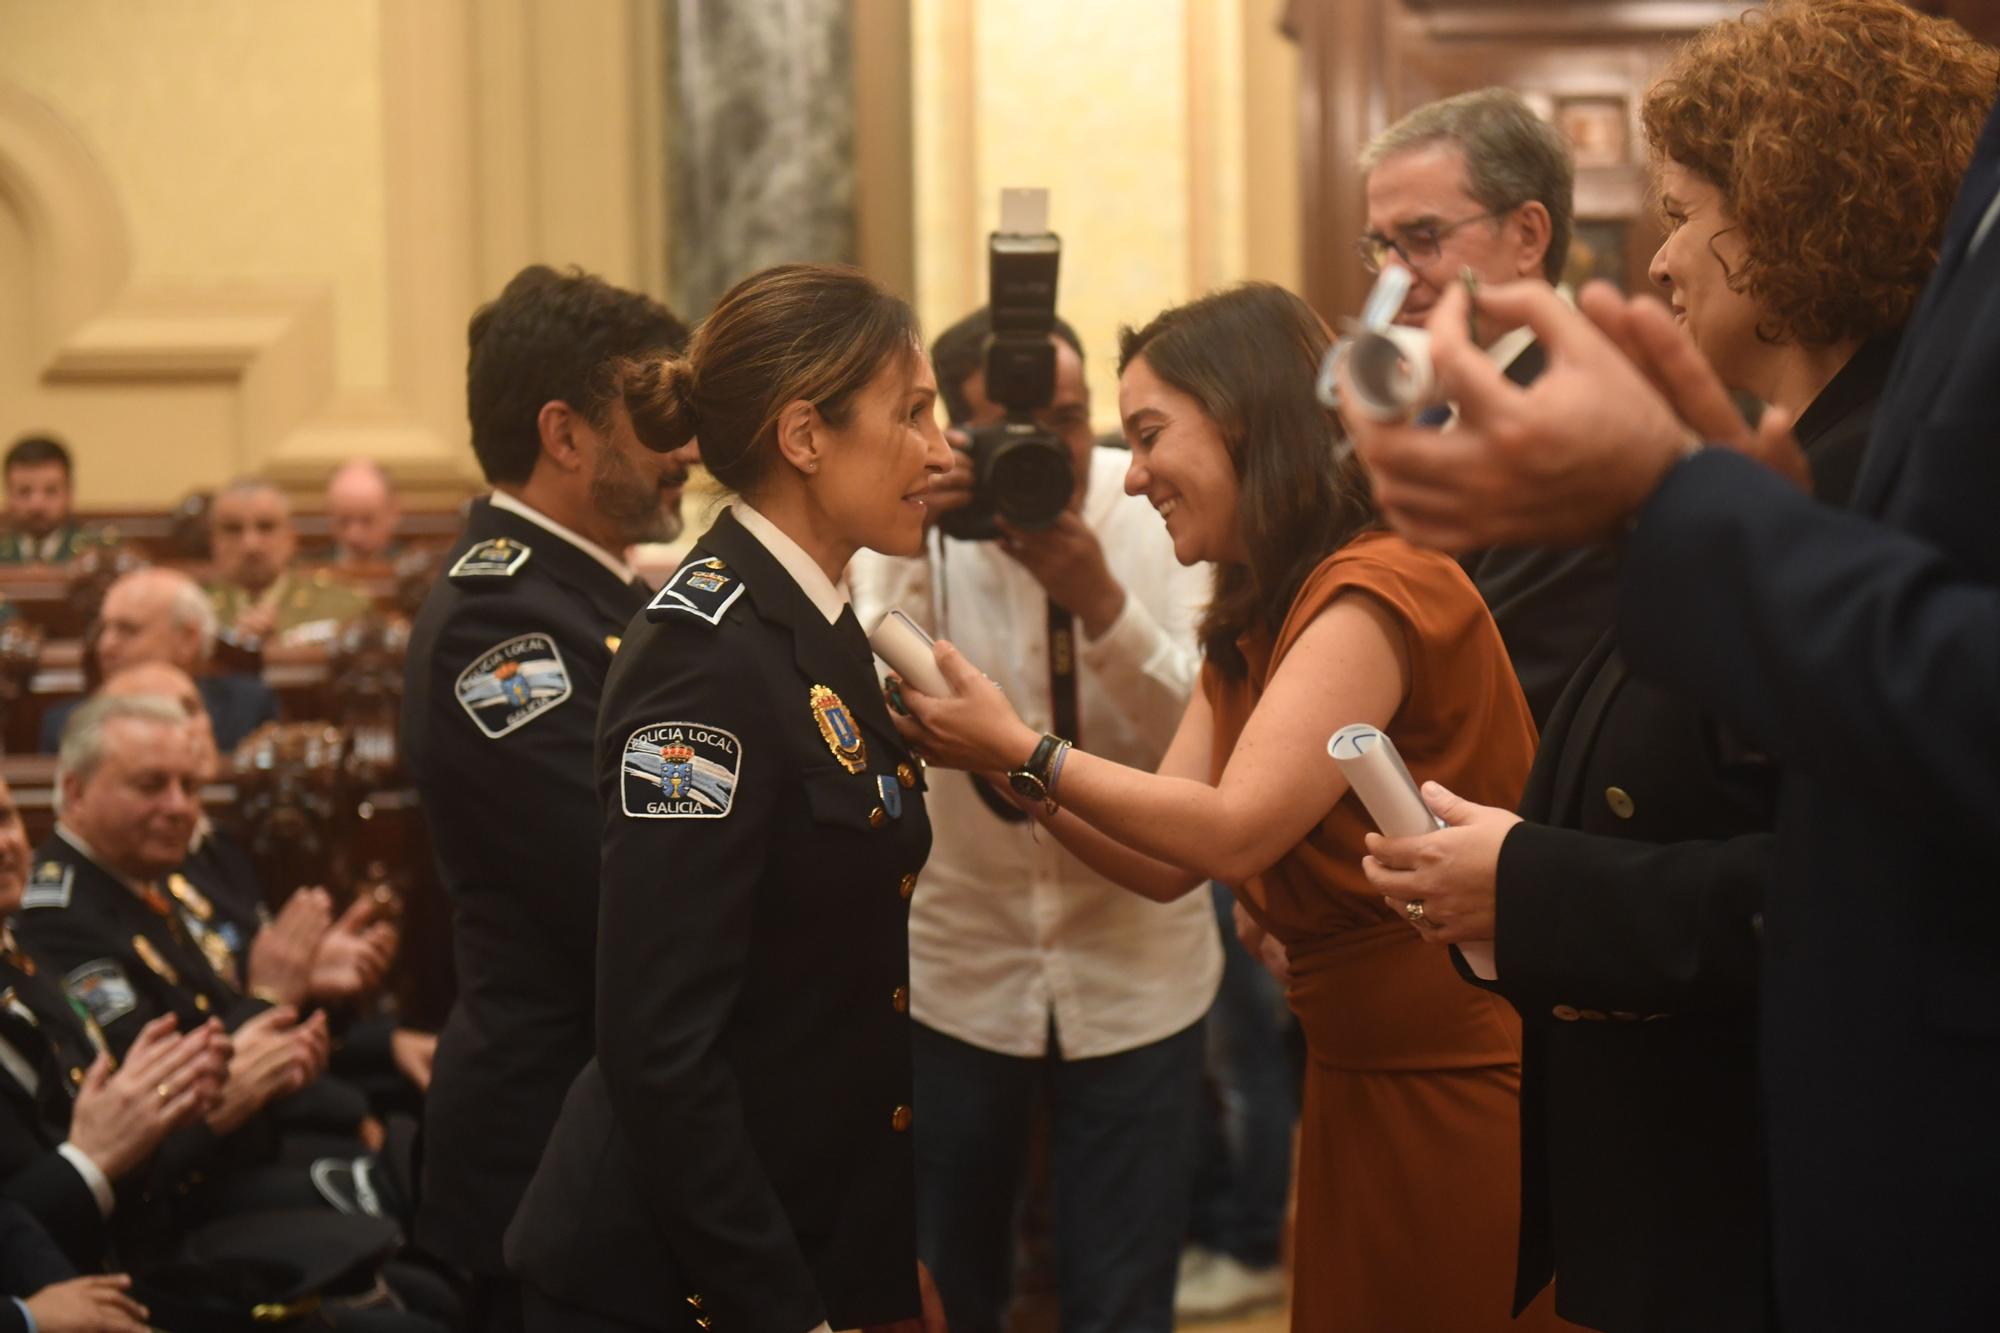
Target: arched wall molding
514,131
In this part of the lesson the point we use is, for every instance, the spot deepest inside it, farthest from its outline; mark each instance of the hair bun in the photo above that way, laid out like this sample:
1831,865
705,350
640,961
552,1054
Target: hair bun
659,396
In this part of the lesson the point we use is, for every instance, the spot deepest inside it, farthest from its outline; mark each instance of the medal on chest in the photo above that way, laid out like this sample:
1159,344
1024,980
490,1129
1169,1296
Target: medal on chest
839,729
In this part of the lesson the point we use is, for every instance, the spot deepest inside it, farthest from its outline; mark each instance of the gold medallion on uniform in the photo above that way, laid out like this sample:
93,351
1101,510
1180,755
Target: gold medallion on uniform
190,897
838,727
151,958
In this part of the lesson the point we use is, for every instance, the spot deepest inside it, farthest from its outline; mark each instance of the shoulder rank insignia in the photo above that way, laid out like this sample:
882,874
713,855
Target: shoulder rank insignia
838,729
49,886
496,557
512,683
680,770
150,956
703,589
102,990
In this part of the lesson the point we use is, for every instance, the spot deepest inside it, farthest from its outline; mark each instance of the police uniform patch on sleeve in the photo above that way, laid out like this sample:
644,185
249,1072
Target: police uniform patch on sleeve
681,770
512,683
103,990
704,589
496,557
49,886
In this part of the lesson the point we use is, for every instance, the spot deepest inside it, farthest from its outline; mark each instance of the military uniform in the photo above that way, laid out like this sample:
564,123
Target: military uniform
738,1156
128,957
506,665
310,606
59,546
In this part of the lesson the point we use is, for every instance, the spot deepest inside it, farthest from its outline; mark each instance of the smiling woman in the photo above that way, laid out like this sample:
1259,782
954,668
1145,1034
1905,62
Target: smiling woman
1405,1168
740,1144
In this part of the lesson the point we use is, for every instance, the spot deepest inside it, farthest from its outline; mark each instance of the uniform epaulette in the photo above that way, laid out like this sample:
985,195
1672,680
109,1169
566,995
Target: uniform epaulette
703,589
496,557
49,886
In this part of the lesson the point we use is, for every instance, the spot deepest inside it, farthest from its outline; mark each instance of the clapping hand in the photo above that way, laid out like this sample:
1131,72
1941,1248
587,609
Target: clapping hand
169,1079
353,956
94,1304
281,954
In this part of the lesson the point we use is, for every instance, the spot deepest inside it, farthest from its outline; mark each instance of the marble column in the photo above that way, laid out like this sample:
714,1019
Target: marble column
761,132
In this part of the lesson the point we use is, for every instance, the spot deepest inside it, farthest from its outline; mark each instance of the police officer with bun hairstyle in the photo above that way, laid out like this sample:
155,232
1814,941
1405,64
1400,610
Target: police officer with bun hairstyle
738,1155
506,665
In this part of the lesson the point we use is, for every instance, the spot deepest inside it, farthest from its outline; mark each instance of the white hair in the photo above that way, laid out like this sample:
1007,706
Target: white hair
189,608
82,752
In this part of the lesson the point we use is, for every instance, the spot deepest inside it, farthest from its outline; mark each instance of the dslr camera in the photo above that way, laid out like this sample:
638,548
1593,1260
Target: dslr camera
1021,472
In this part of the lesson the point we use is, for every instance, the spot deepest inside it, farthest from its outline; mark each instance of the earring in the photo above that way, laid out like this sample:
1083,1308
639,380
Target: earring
813,466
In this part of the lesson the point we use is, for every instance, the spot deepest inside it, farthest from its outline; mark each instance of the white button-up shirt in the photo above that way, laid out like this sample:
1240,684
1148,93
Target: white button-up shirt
1007,929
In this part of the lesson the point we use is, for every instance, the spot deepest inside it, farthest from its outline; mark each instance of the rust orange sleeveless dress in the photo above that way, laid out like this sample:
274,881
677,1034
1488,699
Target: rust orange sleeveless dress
1409,1153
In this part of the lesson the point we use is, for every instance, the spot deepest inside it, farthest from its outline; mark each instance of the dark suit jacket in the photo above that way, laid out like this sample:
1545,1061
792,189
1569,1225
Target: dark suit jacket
1626,938
237,706
738,1149
1551,603
29,1261
507,790
1862,651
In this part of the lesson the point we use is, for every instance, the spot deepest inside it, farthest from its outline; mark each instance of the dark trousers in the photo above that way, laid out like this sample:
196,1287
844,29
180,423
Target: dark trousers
543,1313
1122,1135
1245,1174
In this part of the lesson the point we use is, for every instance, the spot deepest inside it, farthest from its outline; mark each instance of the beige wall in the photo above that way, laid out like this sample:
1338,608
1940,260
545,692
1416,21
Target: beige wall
1166,131
249,232
244,235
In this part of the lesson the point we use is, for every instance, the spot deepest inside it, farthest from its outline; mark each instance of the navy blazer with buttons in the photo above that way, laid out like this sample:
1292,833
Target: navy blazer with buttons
1862,651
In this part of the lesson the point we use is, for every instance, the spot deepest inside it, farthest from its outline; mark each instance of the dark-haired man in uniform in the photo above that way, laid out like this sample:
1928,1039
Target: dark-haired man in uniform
506,664
40,527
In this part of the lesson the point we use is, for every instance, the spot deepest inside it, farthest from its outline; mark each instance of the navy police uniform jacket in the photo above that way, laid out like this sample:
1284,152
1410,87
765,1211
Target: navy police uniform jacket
738,1154
506,665
127,960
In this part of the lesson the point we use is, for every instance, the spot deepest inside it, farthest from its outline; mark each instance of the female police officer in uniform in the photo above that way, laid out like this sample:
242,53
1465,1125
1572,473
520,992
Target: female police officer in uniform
738,1156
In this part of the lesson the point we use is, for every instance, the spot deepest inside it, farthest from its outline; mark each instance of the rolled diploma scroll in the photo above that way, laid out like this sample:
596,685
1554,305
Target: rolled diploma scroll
1368,759
899,641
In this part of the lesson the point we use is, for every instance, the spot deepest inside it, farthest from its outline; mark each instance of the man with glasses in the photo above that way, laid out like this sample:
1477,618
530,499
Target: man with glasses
1478,182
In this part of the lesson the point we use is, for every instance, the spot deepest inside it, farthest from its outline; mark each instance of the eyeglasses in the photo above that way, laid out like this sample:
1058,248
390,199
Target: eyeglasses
1417,247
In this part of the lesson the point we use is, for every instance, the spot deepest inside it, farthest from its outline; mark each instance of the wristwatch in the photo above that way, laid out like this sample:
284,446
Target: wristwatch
1036,779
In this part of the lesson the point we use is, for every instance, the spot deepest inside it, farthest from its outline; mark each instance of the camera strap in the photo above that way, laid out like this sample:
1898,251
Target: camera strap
1062,705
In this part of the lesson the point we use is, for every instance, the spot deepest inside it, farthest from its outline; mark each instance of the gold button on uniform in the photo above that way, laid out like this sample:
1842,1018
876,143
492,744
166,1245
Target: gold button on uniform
877,817
76,1075
1620,802
1567,1013
899,1119
906,775
908,886
899,999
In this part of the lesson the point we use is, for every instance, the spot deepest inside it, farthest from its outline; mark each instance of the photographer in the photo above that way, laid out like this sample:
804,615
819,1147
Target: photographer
1030,973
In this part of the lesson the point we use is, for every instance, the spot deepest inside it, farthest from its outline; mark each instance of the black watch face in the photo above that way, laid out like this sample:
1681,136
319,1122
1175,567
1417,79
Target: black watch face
1026,783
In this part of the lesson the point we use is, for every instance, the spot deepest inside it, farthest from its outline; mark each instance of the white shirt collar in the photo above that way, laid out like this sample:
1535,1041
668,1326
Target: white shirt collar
502,500
825,596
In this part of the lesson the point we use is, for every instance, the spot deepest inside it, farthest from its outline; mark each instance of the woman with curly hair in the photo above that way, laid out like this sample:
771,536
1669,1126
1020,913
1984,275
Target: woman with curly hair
1807,157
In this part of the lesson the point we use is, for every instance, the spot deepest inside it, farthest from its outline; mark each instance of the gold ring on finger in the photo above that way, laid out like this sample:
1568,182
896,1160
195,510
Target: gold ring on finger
1414,910
166,1092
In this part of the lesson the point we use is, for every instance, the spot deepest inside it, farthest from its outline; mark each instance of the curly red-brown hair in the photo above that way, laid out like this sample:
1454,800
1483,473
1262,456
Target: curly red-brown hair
1837,131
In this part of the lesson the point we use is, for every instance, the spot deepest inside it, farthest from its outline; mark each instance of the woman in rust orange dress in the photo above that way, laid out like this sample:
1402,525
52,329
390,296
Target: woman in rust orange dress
1408,1165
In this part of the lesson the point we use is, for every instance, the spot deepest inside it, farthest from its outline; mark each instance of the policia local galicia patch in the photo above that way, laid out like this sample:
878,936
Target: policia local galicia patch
681,770
511,683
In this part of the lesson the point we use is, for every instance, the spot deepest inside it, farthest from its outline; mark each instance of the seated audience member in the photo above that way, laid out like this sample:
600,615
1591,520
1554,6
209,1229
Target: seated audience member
258,595
41,1293
361,505
161,615
1631,885
39,526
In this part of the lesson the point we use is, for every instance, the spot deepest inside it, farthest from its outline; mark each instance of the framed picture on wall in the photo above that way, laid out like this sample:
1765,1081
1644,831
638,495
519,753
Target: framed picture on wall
1597,130
1598,249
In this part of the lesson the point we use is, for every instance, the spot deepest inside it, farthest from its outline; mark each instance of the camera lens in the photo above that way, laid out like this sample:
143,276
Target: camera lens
1031,480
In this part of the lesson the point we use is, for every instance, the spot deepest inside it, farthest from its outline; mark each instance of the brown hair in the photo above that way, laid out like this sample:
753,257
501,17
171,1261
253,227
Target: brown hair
816,332
1248,356
1837,131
